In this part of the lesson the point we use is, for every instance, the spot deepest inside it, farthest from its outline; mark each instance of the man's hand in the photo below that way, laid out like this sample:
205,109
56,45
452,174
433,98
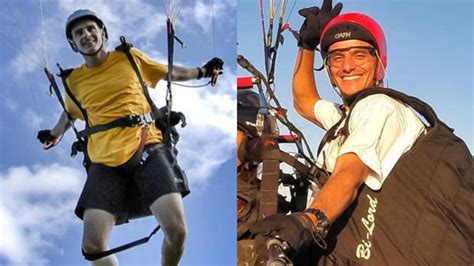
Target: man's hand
212,66
315,21
47,139
294,229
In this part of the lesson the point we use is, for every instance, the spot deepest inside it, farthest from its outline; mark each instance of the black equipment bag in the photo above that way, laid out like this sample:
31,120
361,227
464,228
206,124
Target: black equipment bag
423,214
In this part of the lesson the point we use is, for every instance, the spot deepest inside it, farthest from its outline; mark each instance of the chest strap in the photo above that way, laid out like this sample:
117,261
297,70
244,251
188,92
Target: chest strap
127,121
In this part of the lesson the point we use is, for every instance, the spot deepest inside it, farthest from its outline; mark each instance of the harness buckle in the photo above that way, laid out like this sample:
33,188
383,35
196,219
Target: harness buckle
140,120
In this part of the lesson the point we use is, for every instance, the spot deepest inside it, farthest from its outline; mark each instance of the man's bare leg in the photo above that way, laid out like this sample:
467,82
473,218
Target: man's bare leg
97,227
169,212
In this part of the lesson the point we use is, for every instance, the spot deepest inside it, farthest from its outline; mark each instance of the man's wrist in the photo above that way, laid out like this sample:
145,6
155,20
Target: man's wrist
200,73
320,221
56,133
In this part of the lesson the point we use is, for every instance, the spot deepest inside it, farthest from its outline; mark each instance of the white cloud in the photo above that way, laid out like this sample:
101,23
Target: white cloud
208,140
35,209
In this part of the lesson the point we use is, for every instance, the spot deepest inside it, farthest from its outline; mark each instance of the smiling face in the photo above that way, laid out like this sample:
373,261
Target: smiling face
352,65
87,36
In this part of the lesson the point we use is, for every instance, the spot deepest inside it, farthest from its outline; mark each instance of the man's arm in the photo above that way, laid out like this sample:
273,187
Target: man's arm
62,125
305,94
342,188
332,200
50,138
183,73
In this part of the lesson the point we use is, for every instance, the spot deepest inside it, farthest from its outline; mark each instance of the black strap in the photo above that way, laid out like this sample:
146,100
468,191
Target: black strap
418,105
331,133
166,128
54,86
64,74
96,256
128,121
317,175
125,47
270,177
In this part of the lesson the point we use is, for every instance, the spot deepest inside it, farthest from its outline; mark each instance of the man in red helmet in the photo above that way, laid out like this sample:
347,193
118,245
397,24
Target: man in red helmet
127,166
378,201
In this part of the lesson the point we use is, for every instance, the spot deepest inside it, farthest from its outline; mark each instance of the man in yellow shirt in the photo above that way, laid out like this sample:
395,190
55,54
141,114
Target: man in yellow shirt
123,160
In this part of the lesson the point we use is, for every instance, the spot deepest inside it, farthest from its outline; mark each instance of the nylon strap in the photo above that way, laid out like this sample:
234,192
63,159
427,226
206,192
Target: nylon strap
54,86
317,174
128,121
270,176
96,256
418,105
125,47
64,74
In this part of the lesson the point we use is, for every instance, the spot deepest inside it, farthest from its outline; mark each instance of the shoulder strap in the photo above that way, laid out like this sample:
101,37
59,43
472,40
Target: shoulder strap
330,134
54,87
63,74
418,105
125,47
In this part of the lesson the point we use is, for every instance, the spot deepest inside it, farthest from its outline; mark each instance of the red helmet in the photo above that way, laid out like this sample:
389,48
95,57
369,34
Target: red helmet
350,26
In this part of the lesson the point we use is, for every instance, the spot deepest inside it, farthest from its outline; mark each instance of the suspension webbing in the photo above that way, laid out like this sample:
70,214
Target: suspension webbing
96,256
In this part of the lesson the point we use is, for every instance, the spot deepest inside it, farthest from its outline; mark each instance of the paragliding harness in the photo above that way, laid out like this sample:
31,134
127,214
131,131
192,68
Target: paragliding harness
429,191
157,115
163,117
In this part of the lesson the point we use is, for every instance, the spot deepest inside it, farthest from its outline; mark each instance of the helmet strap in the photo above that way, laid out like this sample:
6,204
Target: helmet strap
377,81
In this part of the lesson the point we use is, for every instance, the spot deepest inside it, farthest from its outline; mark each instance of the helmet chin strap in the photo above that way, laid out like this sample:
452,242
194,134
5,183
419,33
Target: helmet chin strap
379,63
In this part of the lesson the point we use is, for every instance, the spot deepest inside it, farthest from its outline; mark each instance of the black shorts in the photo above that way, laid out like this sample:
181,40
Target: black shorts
127,191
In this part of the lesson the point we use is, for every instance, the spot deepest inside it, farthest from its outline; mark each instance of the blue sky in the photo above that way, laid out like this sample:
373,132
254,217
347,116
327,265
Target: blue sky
430,55
38,189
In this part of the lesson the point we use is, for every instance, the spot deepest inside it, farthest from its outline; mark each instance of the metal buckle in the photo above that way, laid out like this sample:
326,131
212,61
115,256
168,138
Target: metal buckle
148,118
141,120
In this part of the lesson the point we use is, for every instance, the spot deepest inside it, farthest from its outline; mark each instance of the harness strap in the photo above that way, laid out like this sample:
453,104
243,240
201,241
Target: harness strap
419,106
96,256
157,114
143,139
64,74
330,134
125,48
270,177
127,121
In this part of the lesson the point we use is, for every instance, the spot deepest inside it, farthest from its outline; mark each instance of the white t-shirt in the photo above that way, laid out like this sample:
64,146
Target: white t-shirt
381,130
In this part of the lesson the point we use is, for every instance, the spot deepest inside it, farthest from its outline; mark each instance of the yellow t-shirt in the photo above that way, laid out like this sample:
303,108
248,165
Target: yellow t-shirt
111,91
